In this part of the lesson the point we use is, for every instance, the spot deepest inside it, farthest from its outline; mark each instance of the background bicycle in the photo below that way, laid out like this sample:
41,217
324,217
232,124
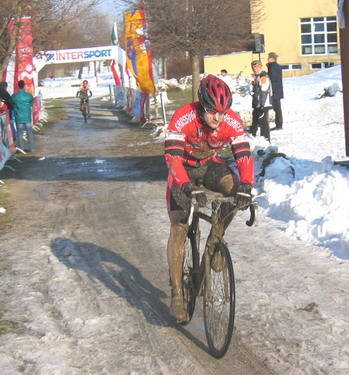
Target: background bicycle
85,109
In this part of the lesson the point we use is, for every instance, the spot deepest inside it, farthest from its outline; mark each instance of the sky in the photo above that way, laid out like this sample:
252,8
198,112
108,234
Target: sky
110,7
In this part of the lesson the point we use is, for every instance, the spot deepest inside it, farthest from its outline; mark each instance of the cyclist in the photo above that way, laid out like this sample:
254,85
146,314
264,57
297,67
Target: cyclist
84,93
195,134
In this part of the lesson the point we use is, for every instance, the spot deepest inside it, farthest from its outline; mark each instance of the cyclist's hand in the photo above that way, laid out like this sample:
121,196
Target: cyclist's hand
244,196
191,191
200,197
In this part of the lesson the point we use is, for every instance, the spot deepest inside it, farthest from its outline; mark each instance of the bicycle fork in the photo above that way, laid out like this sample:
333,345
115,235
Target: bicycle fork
194,235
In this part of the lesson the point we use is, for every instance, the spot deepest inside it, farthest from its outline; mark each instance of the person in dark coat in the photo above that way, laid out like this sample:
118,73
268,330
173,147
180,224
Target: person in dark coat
275,74
5,98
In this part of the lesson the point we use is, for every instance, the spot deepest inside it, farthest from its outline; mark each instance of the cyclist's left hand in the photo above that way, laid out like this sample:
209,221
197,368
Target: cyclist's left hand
200,197
243,196
192,191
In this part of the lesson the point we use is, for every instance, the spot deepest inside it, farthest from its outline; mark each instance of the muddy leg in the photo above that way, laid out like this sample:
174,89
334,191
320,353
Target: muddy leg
175,257
226,186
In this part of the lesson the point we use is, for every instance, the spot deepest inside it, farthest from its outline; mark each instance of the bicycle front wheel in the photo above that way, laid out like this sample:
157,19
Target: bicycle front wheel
188,281
219,301
84,114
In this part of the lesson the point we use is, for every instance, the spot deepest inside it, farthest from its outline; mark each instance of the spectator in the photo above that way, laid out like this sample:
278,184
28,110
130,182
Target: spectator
8,104
23,116
5,96
224,76
275,74
261,100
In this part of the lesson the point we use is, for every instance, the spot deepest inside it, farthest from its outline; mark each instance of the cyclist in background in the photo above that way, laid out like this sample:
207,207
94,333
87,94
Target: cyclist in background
195,134
84,93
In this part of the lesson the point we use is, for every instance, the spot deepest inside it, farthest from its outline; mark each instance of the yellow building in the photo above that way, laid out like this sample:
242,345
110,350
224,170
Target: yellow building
304,33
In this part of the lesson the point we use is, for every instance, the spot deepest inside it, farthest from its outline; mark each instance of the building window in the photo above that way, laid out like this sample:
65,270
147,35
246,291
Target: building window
319,36
322,65
291,66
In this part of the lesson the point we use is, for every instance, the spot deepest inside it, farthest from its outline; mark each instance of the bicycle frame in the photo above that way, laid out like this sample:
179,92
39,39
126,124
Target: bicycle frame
84,104
212,277
194,235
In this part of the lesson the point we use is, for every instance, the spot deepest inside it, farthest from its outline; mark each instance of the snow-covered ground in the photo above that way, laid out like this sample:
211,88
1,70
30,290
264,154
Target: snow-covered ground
312,204
292,306
68,86
305,192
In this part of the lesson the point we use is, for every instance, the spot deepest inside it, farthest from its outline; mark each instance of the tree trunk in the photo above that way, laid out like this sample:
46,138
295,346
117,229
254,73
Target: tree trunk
11,46
195,69
80,71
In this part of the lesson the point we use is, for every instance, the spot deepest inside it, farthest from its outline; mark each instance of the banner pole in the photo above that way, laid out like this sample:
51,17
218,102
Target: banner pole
163,108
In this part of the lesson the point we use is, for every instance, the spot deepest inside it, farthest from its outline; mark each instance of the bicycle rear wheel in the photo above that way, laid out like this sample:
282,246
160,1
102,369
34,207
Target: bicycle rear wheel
84,112
188,281
219,303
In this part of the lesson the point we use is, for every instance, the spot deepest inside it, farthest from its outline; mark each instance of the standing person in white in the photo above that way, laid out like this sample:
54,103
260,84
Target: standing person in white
224,76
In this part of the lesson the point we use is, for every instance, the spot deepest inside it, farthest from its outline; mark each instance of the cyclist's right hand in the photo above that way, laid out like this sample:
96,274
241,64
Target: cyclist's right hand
192,191
244,196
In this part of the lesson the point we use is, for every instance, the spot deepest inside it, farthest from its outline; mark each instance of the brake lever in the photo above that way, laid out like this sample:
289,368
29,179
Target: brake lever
252,218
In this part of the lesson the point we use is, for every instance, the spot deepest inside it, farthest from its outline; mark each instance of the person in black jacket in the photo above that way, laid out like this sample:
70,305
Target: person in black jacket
5,96
275,74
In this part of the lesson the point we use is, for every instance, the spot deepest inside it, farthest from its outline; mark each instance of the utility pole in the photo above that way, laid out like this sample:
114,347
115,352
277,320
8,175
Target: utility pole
343,17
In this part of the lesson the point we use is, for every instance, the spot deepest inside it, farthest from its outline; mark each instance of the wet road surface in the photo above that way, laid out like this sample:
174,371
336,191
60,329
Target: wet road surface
84,275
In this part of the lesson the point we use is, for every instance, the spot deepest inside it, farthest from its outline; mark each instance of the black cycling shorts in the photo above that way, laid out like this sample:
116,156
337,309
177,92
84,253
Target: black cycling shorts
209,175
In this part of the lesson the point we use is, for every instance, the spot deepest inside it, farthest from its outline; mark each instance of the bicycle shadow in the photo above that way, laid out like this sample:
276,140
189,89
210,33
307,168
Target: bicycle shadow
122,278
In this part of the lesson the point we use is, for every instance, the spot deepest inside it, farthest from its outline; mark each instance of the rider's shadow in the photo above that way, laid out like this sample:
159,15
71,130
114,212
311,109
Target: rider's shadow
115,273
122,278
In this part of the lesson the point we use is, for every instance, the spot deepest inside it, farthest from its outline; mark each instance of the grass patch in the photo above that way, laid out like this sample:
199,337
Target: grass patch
178,98
4,218
6,326
55,110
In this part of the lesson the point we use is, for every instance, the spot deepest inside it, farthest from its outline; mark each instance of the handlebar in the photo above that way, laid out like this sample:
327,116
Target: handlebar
219,199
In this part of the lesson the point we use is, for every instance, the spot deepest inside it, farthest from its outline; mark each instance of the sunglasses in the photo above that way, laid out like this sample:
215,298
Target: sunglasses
211,112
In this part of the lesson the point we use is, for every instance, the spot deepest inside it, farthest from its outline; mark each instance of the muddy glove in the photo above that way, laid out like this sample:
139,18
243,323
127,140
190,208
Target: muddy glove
191,191
243,196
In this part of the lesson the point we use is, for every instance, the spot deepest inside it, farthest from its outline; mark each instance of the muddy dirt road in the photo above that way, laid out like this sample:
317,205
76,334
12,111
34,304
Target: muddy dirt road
83,284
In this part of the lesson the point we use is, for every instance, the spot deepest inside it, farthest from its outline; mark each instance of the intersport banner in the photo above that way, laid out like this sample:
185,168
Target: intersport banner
24,68
138,52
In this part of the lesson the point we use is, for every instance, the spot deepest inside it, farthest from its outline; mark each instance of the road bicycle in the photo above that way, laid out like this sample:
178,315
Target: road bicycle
84,109
212,276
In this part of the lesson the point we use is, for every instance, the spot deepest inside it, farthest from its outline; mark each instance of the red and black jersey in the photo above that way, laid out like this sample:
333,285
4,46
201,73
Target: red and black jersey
190,142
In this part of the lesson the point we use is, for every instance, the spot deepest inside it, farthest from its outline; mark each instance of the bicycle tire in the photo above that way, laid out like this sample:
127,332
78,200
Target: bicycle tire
84,111
84,114
188,274
219,304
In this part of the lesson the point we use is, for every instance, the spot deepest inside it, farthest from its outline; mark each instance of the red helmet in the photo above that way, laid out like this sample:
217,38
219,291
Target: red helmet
214,94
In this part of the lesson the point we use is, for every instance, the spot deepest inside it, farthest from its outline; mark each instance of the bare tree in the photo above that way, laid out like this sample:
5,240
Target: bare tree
49,17
199,27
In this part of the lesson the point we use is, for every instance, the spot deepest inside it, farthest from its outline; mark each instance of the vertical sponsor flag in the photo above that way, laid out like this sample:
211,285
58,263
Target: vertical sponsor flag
24,68
138,52
36,110
114,65
114,68
114,35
